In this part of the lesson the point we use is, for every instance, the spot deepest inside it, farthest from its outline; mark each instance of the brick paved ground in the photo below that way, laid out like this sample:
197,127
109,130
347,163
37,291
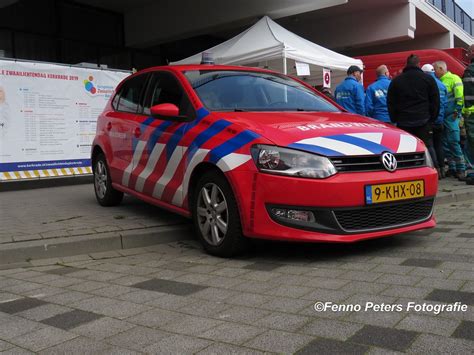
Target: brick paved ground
173,298
71,211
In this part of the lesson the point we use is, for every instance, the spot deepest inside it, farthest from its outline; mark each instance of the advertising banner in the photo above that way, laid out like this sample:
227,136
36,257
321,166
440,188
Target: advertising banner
48,116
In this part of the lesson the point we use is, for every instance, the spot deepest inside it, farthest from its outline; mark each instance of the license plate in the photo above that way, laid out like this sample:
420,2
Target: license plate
394,192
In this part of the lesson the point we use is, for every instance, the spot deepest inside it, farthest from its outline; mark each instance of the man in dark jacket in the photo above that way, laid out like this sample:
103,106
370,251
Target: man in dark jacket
413,101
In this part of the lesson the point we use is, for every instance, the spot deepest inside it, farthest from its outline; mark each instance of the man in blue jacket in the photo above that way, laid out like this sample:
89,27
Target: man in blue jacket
376,96
350,93
439,123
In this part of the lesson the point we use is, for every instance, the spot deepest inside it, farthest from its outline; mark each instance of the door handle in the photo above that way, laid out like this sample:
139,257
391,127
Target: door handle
137,132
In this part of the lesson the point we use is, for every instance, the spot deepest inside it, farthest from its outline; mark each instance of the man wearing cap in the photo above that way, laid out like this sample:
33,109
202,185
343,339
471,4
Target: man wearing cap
350,93
413,101
376,96
438,125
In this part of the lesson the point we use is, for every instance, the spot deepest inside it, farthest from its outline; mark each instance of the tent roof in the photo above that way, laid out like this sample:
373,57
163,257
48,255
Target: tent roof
266,40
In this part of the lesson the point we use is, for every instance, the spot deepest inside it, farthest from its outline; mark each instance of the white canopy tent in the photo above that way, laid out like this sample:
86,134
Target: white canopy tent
268,45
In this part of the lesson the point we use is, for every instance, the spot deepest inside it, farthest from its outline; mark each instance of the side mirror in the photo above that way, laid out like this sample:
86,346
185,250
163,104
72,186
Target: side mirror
166,110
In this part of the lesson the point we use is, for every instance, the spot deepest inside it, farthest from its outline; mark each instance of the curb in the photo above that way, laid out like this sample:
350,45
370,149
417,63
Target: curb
22,252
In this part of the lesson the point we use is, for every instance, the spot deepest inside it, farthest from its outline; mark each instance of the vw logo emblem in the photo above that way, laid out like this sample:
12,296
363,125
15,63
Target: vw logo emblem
389,161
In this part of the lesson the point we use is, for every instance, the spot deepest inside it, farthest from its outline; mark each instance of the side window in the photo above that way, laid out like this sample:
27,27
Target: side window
130,94
165,88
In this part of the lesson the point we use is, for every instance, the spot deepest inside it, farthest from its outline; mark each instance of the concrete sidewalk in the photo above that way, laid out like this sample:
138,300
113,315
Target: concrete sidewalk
66,220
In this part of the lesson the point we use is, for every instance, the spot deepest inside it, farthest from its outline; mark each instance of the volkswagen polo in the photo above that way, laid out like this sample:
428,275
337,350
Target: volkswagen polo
250,153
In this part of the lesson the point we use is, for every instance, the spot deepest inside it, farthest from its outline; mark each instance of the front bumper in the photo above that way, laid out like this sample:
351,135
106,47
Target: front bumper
338,204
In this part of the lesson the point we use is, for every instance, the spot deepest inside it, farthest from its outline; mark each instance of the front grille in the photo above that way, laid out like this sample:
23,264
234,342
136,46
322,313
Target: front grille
384,216
374,163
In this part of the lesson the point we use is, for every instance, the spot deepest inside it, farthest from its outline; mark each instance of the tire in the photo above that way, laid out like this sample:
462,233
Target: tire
217,224
105,194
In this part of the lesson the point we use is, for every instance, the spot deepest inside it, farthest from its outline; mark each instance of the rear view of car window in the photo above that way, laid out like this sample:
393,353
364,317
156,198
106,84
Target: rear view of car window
130,93
230,90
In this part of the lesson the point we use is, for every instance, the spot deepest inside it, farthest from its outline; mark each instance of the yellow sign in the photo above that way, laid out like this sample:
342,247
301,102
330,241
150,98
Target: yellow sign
394,192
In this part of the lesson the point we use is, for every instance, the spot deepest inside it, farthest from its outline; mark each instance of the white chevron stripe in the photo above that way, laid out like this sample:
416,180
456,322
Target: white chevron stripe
338,146
232,161
182,190
169,171
150,166
136,157
407,144
375,137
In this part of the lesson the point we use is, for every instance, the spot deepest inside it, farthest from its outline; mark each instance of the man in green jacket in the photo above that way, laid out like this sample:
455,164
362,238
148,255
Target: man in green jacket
452,133
468,111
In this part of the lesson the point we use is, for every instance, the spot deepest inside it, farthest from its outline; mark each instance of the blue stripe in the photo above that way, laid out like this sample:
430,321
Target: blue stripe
315,149
181,131
374,148
157,133
204,136
368,195
146,123
232,145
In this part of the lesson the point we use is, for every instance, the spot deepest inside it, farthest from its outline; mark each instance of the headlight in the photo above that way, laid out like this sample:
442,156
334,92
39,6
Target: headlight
283,161
428,160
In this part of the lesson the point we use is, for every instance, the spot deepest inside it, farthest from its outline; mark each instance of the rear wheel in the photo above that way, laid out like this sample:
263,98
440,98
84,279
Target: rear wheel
216,216
105,194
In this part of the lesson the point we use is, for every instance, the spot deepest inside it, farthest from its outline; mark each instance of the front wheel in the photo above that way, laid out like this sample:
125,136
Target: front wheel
105,194
216,216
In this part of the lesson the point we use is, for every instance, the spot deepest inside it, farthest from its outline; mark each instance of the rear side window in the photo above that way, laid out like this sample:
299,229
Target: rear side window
130,93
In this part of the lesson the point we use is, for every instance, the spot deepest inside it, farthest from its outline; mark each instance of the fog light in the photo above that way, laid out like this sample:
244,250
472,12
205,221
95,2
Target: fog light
294,215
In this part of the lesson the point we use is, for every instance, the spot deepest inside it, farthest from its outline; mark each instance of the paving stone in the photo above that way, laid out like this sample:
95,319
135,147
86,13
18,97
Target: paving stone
20,305
466,235
71,319
232,333
62,270
86,286
215,294
67,297
219,348
137,338
81,345
465,330
371,317
368,276
285,291
440,283
330,328
421,262
112,291
283,321
450,296
12,327
168,286
279,342
247,299
102,328
43,338
435,344
393,339
259,266
177,344
42,312
204,308
190,325
155,318
171,302
329,346
406,291
426,324
285,304
242,314
17,351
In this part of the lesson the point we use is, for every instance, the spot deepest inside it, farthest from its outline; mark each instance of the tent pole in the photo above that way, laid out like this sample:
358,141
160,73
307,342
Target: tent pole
284,63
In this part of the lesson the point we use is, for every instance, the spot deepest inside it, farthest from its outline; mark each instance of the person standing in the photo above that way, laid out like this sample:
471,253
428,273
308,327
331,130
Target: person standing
452,117
350,93
376,96
439,123
413,101
468,111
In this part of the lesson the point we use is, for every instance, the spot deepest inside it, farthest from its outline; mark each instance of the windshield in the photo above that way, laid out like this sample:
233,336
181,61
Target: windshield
227,90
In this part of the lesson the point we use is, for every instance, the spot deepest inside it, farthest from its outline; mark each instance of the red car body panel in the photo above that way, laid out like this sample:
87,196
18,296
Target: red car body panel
154,159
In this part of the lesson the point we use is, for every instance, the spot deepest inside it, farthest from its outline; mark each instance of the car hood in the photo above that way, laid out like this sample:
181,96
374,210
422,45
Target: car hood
326,133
